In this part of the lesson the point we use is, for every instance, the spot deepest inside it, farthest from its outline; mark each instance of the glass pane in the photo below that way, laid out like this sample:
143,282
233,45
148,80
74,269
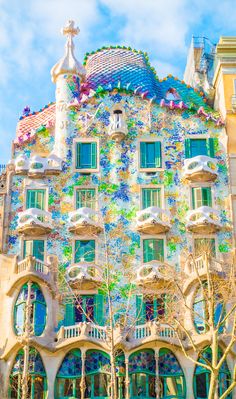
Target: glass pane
201,386
85,198
84,251
38,387
198,147
139,384
19,318
88,390
151,385
101,382
153,250
171,387
149,309
39,318
38,249
79,310
89,308
151,197
77,388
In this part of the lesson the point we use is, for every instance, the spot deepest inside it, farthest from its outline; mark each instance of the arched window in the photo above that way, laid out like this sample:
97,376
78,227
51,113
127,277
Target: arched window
69,376
38,310
171,376
37,381
202,377
142,371
98,371
200,311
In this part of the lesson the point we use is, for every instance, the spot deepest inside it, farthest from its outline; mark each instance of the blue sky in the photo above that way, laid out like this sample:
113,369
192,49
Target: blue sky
31,43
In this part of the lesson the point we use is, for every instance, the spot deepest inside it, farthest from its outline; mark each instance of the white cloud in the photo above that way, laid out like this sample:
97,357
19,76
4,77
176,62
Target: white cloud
165,68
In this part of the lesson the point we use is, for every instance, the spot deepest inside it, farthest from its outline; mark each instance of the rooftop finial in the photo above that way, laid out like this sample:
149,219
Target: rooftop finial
68,64
69,29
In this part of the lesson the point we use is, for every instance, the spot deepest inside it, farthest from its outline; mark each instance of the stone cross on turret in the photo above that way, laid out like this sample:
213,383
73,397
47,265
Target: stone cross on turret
67,74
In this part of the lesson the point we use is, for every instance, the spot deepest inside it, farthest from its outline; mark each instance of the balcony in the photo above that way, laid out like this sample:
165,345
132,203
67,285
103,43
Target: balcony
151,331
83,332
151,274
34,222
45,271
38,166
118,128
85,221
84,275
200,169
203,220
153,220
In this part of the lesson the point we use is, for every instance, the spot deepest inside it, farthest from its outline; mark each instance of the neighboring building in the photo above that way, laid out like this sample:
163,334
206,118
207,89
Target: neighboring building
117,141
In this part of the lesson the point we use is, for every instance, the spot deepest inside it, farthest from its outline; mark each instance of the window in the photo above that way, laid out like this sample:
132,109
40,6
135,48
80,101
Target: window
86,198
37,310
86,155
195,147
35,199
150,308
150,155
84,251
34,248
204,245
201,196
153,249
85,308
151,197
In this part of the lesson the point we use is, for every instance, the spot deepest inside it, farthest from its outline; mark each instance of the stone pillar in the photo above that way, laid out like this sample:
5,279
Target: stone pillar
82,382
157,381
127,382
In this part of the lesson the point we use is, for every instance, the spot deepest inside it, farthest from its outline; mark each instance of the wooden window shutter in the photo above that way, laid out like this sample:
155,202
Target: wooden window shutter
210,147
158,154
143,158
187,148
69,318
140,310
99,309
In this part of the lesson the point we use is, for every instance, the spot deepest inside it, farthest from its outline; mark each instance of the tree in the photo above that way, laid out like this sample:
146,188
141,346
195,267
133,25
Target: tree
211,284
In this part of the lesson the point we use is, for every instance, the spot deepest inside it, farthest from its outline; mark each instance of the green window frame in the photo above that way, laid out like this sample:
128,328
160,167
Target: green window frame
84,251
86,197
143,311
86,155
150,155
195,147
34,248
151,197
201,244
201,196
153,249
35,199
38,315
98,310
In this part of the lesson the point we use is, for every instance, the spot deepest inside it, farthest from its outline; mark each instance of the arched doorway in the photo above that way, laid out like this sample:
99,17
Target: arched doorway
98,375
69,376
202,377
36,376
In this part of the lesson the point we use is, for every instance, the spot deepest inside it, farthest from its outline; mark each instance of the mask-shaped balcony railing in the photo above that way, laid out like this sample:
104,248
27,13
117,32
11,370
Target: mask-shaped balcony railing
203,220
84,275
34,222
38,166
85,221
200,168
151,274
153,220
117,128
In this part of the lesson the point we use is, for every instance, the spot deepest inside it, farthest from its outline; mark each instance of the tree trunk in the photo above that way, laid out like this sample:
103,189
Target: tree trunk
213,394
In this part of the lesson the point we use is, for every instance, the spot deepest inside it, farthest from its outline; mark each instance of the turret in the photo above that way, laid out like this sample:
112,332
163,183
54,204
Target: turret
67,74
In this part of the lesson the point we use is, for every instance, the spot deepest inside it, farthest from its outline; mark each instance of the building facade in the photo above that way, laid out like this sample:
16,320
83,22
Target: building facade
123,173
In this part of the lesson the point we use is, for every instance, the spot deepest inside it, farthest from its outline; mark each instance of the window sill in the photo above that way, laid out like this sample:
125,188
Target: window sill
86,171
146,170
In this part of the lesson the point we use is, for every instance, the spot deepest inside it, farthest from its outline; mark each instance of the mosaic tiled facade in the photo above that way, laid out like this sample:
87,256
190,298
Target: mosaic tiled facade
114,81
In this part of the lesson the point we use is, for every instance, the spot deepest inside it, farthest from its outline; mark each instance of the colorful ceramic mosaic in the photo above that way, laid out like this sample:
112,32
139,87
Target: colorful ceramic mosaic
97,362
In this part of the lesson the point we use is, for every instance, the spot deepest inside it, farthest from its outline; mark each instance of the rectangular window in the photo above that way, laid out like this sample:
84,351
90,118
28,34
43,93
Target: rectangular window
86,198
150,154
201,196
151,197
34,248
153,249
84,309
204,245
195,147
86,155
84,251
35,199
